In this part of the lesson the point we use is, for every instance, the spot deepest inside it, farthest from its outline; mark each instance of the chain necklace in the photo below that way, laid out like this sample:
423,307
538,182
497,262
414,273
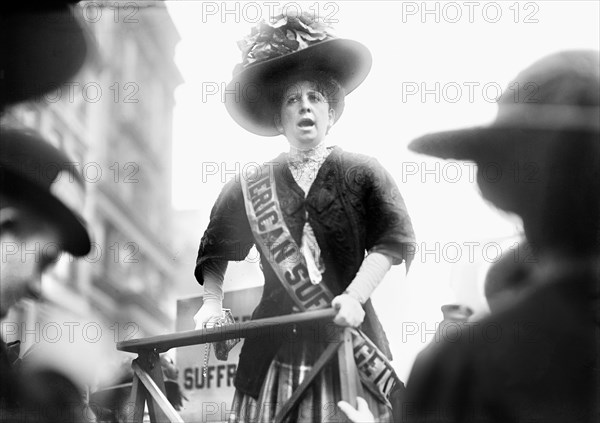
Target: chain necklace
205,366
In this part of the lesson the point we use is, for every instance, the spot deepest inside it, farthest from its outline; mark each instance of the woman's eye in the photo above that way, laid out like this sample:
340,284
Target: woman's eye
291,100
316,97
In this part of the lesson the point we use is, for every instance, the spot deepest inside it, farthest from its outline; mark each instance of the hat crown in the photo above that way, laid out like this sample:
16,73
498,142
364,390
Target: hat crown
285,34
560,91
456,312
27,156
566,78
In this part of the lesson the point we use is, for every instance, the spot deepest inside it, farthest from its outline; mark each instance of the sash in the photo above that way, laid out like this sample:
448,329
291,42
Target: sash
274,239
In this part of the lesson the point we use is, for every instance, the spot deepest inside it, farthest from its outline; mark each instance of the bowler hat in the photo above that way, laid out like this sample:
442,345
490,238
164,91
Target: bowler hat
285,46
558,93
35,173
43,45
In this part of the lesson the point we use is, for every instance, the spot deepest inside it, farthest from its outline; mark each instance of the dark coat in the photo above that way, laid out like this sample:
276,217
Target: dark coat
37,396
353,206
535,362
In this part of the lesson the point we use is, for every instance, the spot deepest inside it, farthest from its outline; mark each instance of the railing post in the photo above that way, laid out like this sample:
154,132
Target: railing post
149,362
134,410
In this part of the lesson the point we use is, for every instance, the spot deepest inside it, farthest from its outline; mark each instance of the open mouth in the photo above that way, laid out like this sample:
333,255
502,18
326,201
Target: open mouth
306,123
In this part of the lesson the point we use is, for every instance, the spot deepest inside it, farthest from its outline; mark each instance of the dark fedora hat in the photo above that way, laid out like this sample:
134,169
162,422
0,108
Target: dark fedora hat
275,51
558,93
35,173
43,45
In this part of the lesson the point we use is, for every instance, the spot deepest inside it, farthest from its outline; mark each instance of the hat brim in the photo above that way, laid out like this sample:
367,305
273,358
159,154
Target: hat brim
75,235
41,51
460,144
31,175
480,143
72,229
249,95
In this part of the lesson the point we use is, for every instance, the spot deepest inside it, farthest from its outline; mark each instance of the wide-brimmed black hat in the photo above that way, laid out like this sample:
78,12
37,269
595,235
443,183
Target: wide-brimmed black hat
560,92
43,45
274,51
35,173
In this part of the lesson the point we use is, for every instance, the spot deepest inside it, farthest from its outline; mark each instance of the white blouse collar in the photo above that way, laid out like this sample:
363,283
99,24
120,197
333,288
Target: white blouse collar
315,154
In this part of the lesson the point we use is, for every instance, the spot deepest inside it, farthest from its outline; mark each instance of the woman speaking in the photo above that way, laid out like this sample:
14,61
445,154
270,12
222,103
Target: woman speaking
328,224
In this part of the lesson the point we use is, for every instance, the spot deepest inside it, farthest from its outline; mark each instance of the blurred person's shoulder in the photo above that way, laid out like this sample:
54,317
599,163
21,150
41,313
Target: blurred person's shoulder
537,359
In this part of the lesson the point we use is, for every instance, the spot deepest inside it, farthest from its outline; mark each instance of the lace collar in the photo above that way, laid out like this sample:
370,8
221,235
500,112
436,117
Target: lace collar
316,154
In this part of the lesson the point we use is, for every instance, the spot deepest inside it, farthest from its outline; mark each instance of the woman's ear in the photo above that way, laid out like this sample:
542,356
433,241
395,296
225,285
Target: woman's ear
331,119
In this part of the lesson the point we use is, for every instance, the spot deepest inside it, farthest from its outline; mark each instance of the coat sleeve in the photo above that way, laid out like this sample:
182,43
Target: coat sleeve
228,235
389,227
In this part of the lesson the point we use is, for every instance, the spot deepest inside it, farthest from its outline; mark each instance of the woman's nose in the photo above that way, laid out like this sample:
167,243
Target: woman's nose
304,104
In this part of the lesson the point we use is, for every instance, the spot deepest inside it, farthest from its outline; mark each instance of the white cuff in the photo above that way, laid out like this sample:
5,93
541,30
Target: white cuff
369,276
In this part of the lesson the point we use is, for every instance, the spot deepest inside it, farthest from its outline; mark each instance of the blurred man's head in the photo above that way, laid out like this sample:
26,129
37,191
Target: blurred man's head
44,44
41,198
541,157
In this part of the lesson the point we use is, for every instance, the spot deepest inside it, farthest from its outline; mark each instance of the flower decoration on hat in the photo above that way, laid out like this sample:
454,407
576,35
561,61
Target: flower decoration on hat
285,34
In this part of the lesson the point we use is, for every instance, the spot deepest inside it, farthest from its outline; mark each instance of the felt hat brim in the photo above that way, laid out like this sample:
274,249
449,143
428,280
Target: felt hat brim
482,142
566,101
73,232
31,173
463,144
75,237
251,93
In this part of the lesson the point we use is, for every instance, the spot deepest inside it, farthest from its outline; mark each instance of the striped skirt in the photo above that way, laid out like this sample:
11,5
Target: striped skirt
318,403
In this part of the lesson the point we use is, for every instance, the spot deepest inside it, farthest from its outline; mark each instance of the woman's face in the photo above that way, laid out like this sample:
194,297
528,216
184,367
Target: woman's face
305,115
